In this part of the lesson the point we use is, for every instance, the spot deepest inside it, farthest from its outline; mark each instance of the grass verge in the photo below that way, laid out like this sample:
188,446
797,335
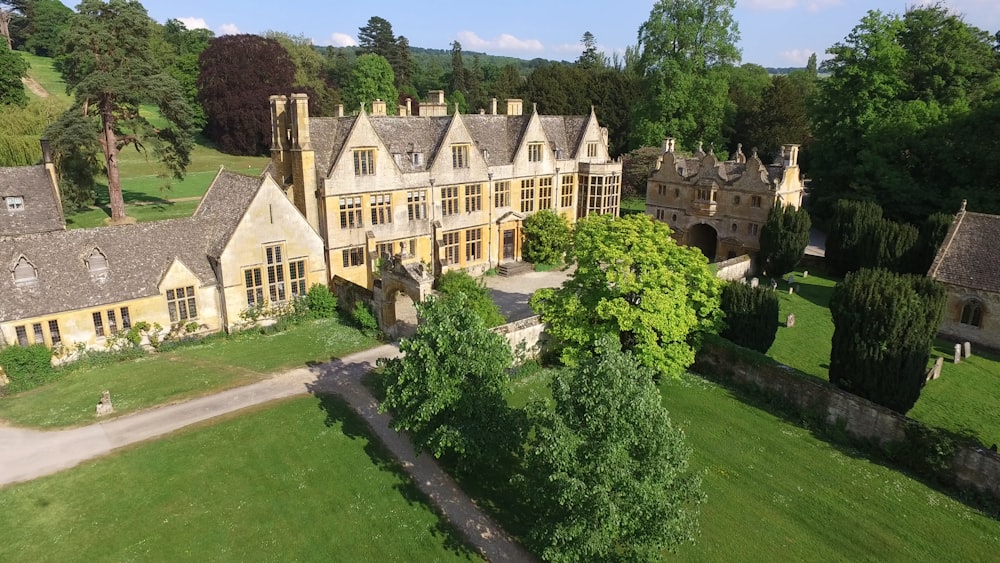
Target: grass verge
201,368
299,481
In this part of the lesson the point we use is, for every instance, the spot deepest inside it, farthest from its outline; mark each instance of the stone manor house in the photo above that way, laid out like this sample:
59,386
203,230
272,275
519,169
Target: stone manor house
382,203
720,207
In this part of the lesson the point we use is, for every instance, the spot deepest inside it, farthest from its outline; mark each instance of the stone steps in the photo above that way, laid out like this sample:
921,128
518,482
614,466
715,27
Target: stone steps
514,268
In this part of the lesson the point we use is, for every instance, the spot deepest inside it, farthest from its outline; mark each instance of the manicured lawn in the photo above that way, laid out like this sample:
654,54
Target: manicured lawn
43,70
777,493
141,213
299,481
964,399
633,205
190,371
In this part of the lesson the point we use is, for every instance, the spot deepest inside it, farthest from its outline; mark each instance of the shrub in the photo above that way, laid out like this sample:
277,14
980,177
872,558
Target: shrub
547,236
860,237
320,302
751,316
478,298
26,366
783,239
365,319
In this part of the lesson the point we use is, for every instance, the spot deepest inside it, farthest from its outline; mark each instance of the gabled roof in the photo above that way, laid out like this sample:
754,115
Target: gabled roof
138,255
328,135
42,211
406,135
224,204
968,256
563,132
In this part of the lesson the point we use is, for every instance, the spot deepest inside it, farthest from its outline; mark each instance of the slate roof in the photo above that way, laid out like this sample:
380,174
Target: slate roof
223,205
42,211
406,135
327,135
138,256
968,257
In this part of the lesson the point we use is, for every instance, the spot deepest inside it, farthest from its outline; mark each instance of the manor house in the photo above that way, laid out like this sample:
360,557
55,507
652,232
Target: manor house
443,191
720,207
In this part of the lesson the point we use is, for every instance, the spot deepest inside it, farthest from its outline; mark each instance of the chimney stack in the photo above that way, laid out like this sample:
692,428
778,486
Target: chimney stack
493,106
378,108
515,106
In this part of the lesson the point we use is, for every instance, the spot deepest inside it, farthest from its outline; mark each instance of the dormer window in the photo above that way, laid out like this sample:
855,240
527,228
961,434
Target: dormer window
24,272
97,261
418,158
14,202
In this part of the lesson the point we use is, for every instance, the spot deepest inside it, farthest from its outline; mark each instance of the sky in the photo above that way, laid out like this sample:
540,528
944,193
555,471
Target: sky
774,33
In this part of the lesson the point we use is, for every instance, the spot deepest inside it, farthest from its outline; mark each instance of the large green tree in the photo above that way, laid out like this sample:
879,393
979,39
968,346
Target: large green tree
783,239
372,79
449,389
310,72
751,316
12,68
109,69
547,236
377,37
885,324
477,296
685,46
239,73
634,282
607,471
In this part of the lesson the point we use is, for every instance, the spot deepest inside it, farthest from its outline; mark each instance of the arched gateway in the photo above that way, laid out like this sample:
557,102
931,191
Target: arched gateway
704,238
413,279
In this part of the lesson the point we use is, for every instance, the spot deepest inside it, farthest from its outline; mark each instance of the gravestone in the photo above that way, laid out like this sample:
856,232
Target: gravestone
791,290
104,406
805,273
938,363
968,349
754,282
790,321
958,353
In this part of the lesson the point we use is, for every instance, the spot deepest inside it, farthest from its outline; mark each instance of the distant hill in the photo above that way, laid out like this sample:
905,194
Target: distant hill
783,70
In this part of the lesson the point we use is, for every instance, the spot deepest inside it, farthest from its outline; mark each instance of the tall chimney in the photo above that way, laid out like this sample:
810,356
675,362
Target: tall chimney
340,110
378,107
409,106
493,106
515,106
300,121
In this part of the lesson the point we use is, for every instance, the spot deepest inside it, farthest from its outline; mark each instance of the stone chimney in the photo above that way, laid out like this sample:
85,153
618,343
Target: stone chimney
790,155
50,167
378,108
340,110
435,105
493,106
280,139
299,119
668,144
515,106
409,106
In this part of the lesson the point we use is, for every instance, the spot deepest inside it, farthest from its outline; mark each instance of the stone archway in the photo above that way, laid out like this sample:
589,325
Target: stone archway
704,238
413,280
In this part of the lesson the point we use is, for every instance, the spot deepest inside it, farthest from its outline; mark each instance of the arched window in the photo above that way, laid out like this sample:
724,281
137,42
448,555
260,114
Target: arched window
972,313
24,271
97,261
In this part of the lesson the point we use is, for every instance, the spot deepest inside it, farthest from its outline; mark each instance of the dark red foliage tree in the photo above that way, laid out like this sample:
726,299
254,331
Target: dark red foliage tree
238,73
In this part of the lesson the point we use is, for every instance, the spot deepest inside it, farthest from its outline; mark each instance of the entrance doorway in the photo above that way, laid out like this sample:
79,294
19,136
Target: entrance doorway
508,244
704,238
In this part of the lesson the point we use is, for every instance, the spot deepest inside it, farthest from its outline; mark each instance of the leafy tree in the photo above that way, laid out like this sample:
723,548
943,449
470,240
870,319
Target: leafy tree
932,234
108,69
607,471
310,72
403,66
634,282
591,57
637,166
613,92
860,237
239,73
751,316
547,236
376,37
783,239
183,47
47,21
457,68
508,84
12,68
371,80
781,117
556,89
884,328
685,44
448,390
747,85
477,296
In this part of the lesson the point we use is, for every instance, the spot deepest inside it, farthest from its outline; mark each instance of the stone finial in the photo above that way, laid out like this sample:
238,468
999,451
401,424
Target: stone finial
963,205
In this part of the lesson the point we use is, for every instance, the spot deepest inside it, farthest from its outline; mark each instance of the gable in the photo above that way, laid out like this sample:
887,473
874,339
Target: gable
363,159
968,256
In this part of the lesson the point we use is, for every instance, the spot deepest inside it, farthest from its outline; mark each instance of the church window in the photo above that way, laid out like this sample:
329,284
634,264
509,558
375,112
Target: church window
972,313
364,162
181,304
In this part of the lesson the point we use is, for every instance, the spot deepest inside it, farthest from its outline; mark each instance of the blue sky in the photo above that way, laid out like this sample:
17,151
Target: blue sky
775,33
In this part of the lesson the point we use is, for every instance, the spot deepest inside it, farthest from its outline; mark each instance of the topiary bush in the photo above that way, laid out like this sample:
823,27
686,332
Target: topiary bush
27,367
751,316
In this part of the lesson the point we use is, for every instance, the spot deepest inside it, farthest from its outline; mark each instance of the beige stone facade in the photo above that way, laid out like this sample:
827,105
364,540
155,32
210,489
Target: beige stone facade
445,191
720,207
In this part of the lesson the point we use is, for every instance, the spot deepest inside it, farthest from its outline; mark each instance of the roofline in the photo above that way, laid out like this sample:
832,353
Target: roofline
949,238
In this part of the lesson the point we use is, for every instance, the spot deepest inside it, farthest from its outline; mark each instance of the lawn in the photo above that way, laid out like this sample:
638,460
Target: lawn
965,399
44,72
302,480
775,492
199,369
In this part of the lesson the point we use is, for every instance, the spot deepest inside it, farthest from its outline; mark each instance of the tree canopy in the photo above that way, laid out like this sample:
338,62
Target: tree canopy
239,74
547,236
608,471
783,239
371,80
634,282
12,68
108,67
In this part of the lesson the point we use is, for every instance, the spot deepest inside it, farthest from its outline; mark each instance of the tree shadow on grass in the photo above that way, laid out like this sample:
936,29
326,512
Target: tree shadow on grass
350,408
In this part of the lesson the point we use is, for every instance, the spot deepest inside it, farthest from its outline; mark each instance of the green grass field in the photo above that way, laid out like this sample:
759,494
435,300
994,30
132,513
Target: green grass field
965,399
776,492
44,72
215,364
302,480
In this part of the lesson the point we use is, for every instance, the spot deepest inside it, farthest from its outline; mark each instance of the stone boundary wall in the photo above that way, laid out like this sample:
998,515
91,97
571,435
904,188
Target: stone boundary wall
735,268
971,468
349,293
525,337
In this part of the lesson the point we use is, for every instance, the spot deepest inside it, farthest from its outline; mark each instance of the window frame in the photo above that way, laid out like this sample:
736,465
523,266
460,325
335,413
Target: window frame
474,244
182,304
14,203
381,208
354,257
350,212
473,198
449,247
449,201
460,156
416,205
364,161
501,194
535,152
527,195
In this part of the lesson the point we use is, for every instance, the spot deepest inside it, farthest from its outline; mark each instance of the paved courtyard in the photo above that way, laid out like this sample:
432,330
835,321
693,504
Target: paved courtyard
512,294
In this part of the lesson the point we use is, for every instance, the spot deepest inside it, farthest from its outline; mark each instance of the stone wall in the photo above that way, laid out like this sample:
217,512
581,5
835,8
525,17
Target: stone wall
971,468
349,293
735,268
526,337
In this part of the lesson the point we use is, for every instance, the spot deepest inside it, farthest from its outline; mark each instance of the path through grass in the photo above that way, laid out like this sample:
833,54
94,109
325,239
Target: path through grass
215,364
300,481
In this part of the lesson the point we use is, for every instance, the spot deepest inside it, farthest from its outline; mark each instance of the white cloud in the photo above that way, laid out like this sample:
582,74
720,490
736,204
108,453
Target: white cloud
503,42
338,39
193,23
797,57
228,29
